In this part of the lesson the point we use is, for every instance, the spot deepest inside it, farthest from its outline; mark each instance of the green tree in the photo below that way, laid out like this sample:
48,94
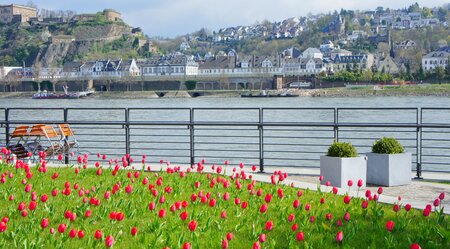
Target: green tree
439,73
191,84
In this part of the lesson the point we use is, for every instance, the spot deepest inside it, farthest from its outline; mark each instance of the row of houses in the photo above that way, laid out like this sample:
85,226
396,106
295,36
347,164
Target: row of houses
291,62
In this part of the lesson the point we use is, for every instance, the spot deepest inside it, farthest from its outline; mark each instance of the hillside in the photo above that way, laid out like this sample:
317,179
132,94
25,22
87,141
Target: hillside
52,44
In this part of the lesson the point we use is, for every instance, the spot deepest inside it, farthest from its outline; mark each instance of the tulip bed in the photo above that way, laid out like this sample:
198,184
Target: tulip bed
76,207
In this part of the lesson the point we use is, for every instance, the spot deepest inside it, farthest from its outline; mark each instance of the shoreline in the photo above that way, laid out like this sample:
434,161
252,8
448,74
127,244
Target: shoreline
442,90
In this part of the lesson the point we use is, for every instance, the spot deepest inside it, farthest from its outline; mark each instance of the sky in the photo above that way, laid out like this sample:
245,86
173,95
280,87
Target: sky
170,18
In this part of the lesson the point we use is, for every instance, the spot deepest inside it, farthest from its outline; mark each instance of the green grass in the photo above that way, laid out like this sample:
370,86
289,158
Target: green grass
366,228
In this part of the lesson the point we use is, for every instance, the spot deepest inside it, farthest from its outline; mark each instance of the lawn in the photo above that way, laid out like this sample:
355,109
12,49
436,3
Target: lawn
72,207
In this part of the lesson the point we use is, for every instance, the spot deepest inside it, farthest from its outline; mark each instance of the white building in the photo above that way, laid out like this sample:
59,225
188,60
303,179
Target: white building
169,65
435,59
312,53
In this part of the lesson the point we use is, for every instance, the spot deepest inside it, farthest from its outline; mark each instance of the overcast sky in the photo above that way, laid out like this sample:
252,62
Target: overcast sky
169,18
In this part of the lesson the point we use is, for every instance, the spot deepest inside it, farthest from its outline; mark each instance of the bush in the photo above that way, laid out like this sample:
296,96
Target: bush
191,84
387,146
342,149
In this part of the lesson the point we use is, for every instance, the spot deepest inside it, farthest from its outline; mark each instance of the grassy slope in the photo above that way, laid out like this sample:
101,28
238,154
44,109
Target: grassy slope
365,229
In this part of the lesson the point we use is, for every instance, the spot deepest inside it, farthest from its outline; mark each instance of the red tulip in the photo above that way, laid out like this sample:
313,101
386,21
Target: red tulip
192,225
339,236
262,238
120,216
335,190
347,199
291,217
364,204
162,213
184,215
296,203
109,241
312,219
2,227
24,213
407,207
396,207
62,228
426,212
229,236
437,202
81,234
442,196
294,227
347,216
280,193
244,205
269,225
54,192
73,233
350,183
327,183
390,225
21,206
360,183
328,216
380,190
44,223
237,201
88,213
98,234
129,189
224,244
321,178
133,231
187,245
212,202
263,208
268,198
32,206
339,223
256,245
44,198
415,246
307,207
300,236
223,215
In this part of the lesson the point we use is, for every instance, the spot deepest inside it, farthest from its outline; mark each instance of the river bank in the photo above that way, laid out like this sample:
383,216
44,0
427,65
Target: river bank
356,91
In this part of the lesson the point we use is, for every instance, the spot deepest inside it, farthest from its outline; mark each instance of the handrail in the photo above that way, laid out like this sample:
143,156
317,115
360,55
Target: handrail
271,139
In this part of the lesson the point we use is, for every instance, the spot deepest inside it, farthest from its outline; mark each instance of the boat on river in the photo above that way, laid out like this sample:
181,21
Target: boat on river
263,94
66,95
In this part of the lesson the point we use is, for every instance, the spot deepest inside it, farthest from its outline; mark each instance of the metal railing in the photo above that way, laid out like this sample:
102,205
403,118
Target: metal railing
268,137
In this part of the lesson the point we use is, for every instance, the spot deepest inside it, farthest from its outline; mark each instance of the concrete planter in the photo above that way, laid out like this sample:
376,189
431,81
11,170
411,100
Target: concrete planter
339,170
389,169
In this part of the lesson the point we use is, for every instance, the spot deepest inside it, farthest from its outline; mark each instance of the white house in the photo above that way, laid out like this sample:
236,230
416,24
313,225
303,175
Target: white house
303,66
435,59
312,53
169,65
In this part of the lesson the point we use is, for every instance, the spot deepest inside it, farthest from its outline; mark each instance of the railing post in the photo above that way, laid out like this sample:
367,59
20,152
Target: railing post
7,126
261,141
191,136
66,154
127,132
336,124
419,146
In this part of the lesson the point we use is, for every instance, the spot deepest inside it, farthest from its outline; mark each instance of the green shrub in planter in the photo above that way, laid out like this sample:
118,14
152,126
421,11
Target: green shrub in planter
387,146
342,149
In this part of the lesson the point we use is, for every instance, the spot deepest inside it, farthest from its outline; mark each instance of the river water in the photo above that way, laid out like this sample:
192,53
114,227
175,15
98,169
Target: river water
292,146
205,102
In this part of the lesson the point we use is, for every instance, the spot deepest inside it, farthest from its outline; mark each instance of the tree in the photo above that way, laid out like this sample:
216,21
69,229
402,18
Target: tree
191,84
420,74
427,12
440,73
